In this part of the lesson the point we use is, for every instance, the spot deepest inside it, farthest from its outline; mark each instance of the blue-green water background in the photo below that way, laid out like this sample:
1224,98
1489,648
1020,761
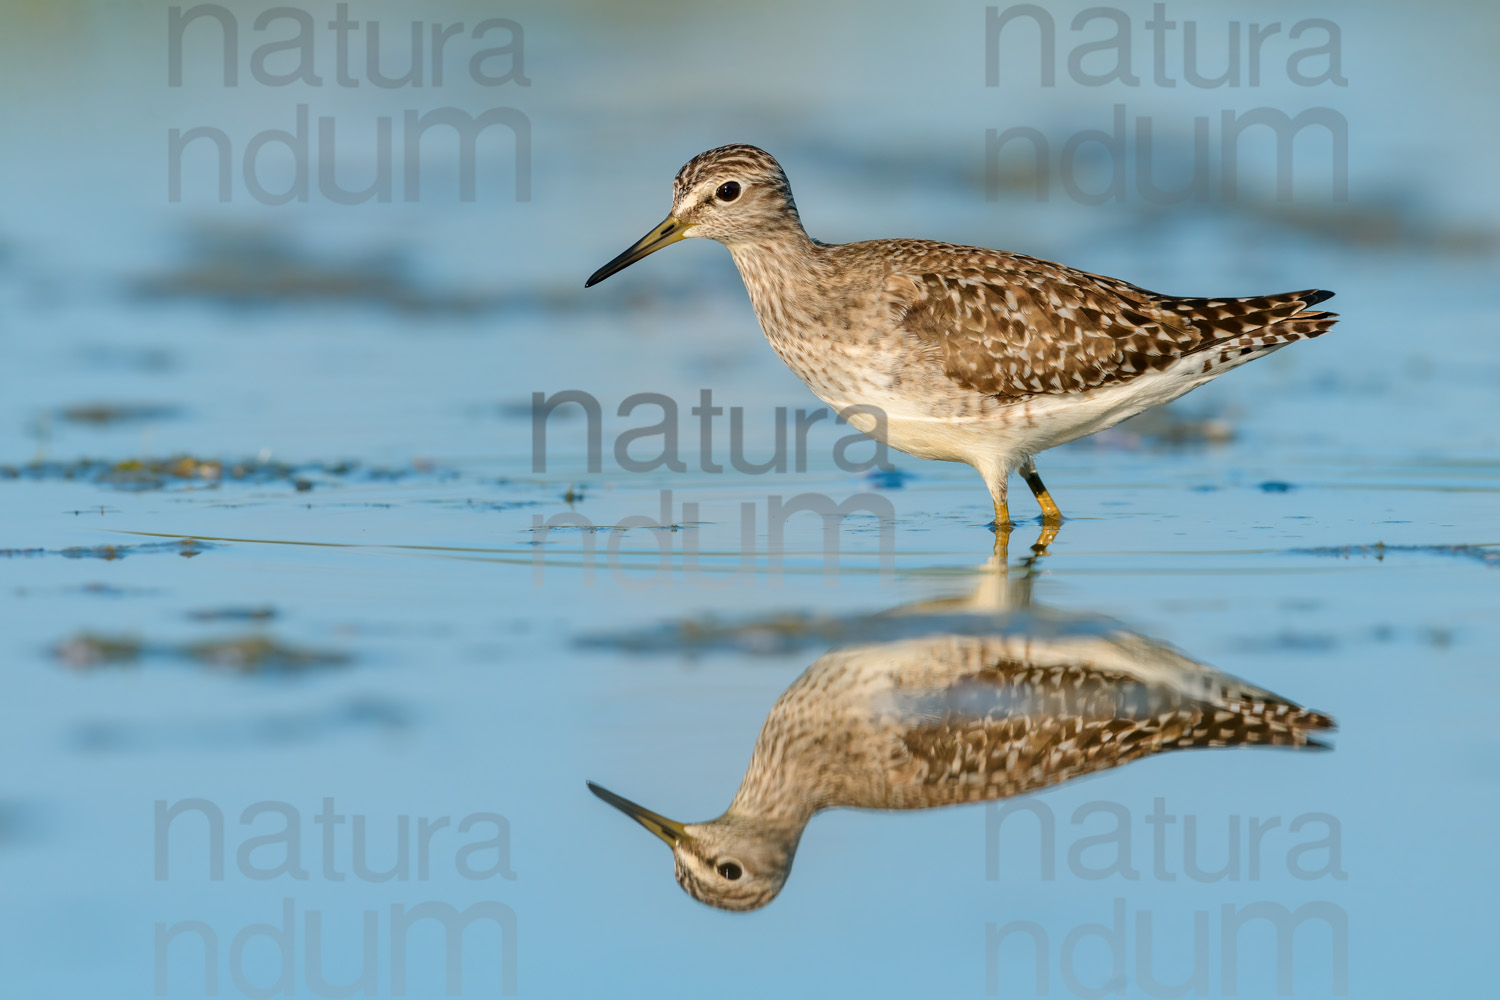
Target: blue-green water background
409,337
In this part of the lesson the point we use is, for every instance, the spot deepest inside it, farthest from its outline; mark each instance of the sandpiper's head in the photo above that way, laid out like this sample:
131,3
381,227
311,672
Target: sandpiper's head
731,862
734,194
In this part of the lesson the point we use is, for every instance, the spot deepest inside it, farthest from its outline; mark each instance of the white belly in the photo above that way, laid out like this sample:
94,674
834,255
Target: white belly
1001,435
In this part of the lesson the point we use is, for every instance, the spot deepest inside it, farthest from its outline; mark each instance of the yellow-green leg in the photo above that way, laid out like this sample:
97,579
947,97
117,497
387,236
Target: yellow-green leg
1051,516
996,482
1002,529
1001,557
994,478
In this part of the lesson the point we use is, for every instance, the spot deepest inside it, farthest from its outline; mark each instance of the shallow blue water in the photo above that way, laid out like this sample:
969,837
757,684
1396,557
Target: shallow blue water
439,656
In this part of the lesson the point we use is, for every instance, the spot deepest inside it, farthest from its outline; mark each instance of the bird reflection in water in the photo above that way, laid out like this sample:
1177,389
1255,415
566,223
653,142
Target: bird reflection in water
965,700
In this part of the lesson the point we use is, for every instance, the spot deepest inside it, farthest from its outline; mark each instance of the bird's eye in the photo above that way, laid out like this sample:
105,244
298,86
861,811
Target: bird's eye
730,870
728,191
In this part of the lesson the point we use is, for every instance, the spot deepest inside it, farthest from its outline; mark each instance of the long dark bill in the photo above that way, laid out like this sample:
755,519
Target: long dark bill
666,234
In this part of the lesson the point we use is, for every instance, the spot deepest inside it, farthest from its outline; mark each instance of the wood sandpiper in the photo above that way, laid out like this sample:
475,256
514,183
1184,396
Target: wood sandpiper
955,352
951,702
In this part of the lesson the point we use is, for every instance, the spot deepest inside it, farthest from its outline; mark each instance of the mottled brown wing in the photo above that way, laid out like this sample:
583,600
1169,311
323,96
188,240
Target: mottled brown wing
1014,727
1009,326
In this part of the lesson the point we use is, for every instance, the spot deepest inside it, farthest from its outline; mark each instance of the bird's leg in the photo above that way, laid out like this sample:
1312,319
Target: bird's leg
995,479
1039,547
1046,538
1051,516
1002,540
1016,584
1001,526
